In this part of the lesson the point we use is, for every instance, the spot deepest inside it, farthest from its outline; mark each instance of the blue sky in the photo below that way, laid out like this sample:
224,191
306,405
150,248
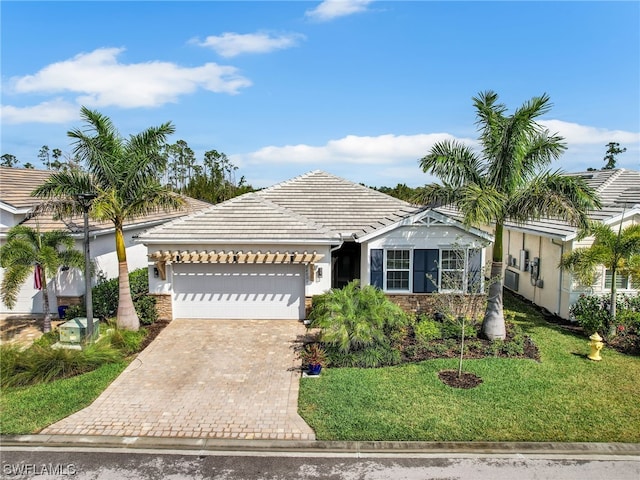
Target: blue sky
361,89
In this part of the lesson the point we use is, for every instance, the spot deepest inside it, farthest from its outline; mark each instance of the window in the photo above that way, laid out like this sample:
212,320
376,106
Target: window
452,270
398,269
622,282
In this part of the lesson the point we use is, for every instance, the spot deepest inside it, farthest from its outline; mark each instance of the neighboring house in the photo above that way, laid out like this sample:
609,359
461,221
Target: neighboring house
533,250
16,206
266,254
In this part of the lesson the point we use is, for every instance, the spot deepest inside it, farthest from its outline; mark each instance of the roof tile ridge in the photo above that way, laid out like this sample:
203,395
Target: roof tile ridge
288,181
307,221
373,191
616,174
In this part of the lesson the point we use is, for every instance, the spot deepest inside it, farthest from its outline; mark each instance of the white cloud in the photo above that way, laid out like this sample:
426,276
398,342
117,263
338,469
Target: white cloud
582,134
231,44
330,9
100,80
381,150
55,111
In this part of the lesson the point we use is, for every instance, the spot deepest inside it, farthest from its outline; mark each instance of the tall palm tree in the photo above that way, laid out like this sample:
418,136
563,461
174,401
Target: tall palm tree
505,181
28,251
619,252
124,174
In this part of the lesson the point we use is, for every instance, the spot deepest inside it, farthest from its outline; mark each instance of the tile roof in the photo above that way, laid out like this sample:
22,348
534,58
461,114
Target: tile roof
338,204
315,206
16,185
619,191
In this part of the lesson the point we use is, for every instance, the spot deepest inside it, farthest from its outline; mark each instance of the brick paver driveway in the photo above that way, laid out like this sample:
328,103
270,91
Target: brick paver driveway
205,379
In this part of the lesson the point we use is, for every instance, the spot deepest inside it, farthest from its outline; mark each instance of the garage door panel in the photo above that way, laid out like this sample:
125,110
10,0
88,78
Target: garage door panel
238,291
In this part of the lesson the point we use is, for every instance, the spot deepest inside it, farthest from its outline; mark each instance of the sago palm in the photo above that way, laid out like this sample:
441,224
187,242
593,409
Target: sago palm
29,252
124,174
505,180
616,250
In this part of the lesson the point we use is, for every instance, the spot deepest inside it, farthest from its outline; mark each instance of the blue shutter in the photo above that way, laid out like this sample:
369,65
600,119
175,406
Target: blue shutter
425,270
377,268
475,267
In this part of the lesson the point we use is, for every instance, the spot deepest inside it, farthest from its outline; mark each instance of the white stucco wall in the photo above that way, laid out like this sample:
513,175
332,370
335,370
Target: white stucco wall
71,282
312,287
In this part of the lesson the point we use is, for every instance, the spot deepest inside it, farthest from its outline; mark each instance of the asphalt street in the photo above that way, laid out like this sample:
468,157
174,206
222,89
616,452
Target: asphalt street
81,463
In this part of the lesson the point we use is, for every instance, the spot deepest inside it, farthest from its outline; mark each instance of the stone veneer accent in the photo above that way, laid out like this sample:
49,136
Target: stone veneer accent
409,302
78,300
163,305
413,302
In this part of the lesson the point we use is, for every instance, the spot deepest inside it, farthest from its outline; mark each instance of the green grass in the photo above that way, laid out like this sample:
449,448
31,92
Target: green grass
565,397
30,409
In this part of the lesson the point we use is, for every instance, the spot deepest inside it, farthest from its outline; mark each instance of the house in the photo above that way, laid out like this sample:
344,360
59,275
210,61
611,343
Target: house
533,250
265,254
16,207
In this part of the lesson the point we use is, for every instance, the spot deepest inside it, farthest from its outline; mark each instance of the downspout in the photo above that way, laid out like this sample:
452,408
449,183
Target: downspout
560,275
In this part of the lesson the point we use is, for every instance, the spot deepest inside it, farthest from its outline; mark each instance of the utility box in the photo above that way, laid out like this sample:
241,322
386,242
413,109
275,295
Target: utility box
75,331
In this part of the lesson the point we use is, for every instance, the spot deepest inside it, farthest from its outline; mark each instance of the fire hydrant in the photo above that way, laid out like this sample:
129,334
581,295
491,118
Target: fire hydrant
596,345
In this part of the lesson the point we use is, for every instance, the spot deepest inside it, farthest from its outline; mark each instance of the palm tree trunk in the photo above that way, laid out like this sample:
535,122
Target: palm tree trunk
45,302
614,300
127,317
493,326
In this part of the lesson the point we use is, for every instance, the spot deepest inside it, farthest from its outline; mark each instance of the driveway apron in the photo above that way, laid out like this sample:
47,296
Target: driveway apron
204,379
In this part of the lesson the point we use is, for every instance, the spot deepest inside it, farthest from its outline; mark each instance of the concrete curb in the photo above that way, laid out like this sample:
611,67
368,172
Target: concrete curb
318,447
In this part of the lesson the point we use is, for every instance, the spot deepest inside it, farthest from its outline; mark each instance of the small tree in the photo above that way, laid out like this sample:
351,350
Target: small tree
27,250
461,299
613,149
8,160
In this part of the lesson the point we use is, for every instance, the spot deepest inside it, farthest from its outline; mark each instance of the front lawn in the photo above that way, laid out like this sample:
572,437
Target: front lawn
29,409
565,397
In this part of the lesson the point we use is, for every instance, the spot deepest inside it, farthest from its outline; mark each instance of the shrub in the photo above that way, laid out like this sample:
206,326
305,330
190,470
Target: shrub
427,330
75,311
371,357
41,364
105,297
592,314
452,328
354,318
126,341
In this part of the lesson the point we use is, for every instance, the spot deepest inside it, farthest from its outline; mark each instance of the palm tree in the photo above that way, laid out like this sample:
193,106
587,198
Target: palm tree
619,252
505,181
124,174
28,249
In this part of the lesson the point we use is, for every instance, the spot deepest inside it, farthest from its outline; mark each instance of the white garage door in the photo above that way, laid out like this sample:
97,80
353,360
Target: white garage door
238,291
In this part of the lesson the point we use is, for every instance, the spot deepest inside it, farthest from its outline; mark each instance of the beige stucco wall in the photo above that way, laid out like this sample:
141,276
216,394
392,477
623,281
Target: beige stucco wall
546,291
559,291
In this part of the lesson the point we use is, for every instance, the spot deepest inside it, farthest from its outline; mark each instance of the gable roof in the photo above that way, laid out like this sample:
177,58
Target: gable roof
314,207
16,185
247,218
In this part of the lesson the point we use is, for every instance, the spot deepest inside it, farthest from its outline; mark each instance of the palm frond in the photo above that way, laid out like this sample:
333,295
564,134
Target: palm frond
552,194
453,162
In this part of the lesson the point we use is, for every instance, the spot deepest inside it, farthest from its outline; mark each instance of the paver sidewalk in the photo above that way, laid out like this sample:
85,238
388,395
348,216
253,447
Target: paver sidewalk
204,379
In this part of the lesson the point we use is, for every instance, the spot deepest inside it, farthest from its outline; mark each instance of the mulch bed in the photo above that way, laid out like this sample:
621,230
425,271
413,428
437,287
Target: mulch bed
465,380
152,332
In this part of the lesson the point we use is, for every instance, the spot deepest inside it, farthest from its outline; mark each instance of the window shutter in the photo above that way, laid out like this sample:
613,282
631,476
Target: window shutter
425,270
475,267
376,264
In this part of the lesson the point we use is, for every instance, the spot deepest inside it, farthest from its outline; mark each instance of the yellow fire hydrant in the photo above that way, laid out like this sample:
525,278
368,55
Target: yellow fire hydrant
596,345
